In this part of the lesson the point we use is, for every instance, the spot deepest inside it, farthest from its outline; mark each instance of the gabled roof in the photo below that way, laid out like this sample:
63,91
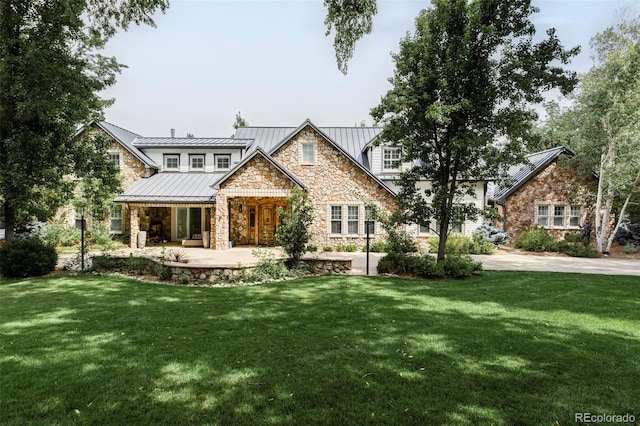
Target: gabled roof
350,141
172,188
521,173
164,142
259,151
353,140
126,139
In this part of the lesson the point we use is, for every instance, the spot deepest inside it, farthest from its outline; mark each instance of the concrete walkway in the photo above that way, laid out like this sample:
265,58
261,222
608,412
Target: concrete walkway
497,262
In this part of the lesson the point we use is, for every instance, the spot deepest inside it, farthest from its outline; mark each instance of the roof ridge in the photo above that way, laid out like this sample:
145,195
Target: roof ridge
121,128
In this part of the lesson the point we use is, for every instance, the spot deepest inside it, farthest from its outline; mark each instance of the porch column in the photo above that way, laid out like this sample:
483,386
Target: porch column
134,226
212,227
222,222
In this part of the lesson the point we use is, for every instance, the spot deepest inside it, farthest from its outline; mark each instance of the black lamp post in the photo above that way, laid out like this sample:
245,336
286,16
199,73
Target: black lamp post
368,224
82,239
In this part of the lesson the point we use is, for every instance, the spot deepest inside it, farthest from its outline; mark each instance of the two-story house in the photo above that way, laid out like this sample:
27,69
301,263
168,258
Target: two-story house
227,190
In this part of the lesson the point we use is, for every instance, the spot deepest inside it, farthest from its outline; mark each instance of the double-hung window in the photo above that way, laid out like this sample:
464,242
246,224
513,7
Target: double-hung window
558,216
116,219
222,161
172,162
114,157
391,159
543,216
308,153
575,216
353,219
368,216
336,219
196,162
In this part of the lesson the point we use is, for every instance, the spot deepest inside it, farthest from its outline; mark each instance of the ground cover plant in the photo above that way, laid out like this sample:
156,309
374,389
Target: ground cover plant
502,348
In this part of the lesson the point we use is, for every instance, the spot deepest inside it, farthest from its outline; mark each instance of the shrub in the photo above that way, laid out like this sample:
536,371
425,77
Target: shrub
460,266
426,266
29,230
340,248
27,258
629,249
577,249
575,238
376,247
350,248
458,245
60,235
493,234
327,248
312,248
101,237
628,233
397,263
536,240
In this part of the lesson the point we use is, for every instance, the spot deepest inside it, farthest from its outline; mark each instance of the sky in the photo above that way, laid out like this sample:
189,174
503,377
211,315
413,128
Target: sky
207,60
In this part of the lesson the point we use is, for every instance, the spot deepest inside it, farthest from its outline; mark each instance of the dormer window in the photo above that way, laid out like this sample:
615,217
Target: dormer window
391,159
223,161
196,162
172,162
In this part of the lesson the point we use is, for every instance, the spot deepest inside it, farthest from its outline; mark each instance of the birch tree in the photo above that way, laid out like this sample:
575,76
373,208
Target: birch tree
607,111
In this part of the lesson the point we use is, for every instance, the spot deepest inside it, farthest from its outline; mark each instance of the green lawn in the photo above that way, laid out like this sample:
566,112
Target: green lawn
502,348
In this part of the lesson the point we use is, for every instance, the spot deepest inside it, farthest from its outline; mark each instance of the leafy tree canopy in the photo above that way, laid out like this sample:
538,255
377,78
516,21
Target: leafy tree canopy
460,106
51,73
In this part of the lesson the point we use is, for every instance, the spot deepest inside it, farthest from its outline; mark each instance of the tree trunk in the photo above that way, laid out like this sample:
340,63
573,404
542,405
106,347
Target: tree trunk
9,222
621,215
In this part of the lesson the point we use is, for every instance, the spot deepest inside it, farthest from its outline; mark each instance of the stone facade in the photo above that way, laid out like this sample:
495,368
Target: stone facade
332,179
259,182
556,185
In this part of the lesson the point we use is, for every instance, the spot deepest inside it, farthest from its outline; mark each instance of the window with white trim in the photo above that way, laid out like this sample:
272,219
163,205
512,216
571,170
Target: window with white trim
368,215
353,220
196,162
336,219
114,157
558,216
391,158
543,216
575,216
115,218
308,153
172,161
222,161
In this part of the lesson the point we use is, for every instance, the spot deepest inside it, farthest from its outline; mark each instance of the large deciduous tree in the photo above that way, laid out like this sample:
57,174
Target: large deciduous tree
51,74
460,106
607,119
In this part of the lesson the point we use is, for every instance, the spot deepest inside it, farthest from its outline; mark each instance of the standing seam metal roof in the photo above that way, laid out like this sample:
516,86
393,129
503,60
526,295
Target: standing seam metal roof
126,138
172,188
164,142
521,173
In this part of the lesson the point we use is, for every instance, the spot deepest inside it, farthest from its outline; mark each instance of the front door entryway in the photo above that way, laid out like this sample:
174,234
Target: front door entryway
267,222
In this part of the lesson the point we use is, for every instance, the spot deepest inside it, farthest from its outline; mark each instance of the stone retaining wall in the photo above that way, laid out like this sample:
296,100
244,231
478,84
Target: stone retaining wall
193,274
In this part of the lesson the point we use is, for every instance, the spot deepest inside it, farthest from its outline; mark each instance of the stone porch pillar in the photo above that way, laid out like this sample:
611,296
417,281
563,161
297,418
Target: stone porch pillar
222,222
134,226
212,227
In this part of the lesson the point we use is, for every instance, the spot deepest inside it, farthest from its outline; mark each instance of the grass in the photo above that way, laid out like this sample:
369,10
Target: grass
503,348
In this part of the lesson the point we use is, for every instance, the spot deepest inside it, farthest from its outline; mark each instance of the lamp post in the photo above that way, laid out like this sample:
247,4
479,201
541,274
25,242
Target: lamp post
368,223
82,239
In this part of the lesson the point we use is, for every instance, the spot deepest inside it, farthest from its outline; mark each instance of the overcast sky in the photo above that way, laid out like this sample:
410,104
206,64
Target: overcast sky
270,60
